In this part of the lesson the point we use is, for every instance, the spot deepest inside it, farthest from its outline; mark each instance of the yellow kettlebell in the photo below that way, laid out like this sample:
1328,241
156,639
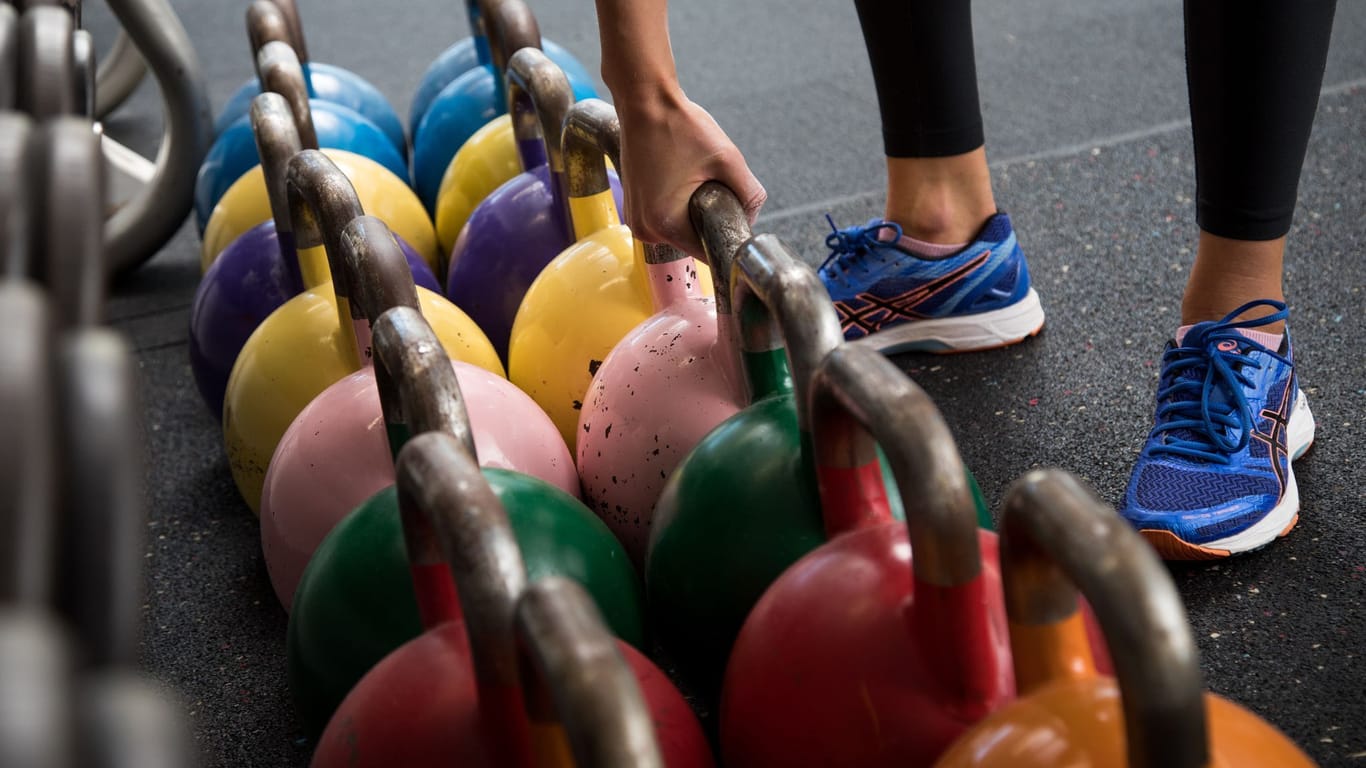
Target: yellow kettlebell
592,294
322,335
246,204
485,162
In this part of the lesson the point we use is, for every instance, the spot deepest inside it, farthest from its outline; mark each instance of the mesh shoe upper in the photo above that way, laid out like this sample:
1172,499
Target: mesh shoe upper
1216,461
875,282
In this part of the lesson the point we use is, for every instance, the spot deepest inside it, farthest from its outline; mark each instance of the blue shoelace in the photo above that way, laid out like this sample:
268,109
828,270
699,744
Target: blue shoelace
1208,417
846,245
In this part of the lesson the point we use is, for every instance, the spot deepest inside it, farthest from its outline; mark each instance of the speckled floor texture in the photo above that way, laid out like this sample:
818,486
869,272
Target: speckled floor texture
1086,117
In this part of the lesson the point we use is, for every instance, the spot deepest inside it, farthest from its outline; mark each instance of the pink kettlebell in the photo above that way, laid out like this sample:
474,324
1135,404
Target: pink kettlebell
336,453
667,383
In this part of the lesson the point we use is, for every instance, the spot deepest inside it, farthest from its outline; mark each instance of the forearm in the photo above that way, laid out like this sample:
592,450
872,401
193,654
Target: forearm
637,60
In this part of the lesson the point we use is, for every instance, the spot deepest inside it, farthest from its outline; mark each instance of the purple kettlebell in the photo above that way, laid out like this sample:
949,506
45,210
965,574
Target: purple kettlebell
524,224
260,270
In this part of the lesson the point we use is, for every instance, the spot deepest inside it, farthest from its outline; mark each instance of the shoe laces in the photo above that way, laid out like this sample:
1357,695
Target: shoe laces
847,246
1203,412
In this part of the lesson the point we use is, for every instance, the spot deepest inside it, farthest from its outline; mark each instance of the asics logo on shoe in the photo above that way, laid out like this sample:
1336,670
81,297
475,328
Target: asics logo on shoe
1275,437
874,311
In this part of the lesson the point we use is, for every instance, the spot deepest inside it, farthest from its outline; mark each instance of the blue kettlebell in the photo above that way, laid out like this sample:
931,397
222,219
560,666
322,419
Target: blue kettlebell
326,82
338,127
475,97
474,52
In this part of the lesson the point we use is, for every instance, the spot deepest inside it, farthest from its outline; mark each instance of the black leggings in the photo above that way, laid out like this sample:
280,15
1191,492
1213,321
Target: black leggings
1254,69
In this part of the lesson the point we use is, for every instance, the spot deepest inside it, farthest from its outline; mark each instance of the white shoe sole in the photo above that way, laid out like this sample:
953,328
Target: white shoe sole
963,333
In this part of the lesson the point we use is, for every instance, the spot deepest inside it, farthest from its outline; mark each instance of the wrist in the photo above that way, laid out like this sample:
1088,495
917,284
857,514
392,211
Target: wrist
647,98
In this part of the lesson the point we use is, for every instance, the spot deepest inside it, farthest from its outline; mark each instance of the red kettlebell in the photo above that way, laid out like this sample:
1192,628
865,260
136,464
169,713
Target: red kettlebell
1057,538
667,383
451,696
846,661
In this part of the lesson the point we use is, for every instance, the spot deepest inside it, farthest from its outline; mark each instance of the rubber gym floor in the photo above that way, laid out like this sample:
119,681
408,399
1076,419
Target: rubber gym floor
1090,149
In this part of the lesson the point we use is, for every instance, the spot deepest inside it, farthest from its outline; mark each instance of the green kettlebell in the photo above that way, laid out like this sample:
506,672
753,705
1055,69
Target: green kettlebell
357,601
744,504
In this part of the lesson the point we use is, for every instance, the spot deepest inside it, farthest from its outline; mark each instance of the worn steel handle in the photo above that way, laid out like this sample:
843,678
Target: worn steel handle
574,677
1058,538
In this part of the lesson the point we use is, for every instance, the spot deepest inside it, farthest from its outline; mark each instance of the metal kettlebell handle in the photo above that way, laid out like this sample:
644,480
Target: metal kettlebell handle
591,130
36,690
538,98
281,72
267,23
28,490
376,269
47,65
294,26
719,220
573,674
417,384
17,234
9,57
860,400
440,481
70,175
510,27
105,515
1058,538
321,202
781,303
418,393
277,142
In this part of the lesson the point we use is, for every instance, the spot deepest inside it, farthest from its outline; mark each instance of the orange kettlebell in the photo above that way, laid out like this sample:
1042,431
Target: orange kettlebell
1056,534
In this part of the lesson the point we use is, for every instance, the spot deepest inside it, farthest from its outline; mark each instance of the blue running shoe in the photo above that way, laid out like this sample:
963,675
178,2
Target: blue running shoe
1214,478
978,298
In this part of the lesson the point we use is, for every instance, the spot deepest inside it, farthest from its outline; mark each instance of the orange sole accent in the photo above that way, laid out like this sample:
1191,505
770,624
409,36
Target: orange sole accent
1170,547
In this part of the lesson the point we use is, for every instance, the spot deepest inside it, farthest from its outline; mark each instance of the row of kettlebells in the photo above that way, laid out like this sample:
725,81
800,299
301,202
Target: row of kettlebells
698,440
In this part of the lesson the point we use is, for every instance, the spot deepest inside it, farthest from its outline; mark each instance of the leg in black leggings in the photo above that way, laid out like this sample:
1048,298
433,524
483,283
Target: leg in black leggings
926,76
1254,69
938,186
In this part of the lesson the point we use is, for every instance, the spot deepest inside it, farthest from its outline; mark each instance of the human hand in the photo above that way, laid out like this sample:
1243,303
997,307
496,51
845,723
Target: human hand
669,147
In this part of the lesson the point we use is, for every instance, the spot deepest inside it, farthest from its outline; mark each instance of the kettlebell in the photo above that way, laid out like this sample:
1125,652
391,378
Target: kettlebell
556,345
318,337
260,270
357,583
1058,539
472,711
233,151
473,52
247,202
524,223
475,97
326,82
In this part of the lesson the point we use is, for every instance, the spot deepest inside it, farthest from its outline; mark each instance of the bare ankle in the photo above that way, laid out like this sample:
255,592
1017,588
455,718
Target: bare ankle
1229,273
940,199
